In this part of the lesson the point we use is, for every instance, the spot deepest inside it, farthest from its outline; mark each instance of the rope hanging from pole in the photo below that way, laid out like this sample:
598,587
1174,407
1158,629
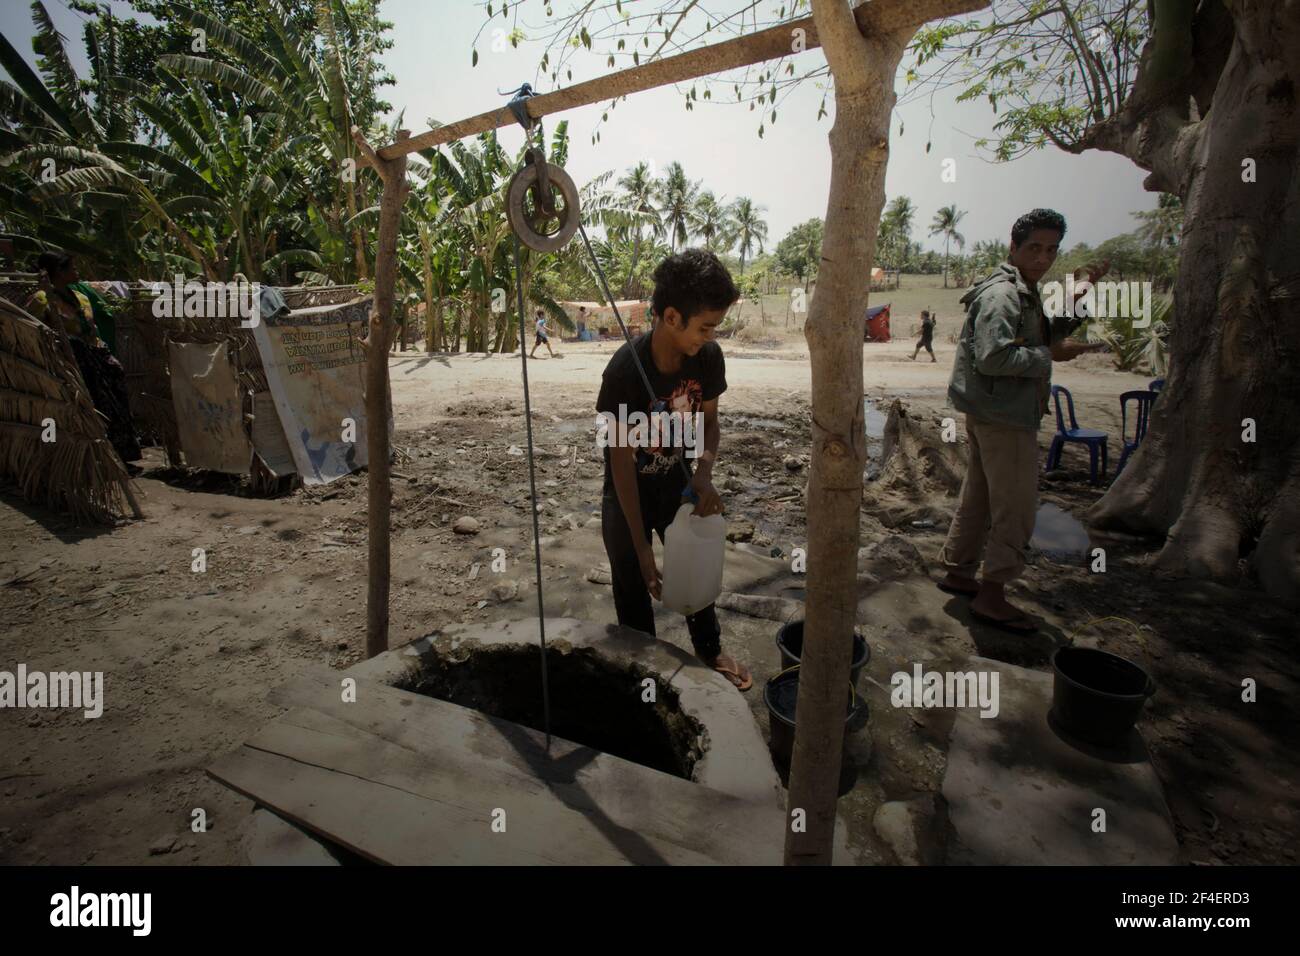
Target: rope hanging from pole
544,211
532,488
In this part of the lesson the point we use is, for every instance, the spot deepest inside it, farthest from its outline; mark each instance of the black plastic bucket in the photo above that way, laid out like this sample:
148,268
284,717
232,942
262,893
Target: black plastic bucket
781,694
789,641
1097,696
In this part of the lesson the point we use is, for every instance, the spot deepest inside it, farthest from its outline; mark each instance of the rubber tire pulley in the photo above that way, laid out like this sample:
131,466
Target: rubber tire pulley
524,213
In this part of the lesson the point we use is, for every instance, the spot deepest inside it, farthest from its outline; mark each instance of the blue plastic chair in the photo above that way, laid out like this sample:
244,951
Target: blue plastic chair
1144,401
1095,440
1155,387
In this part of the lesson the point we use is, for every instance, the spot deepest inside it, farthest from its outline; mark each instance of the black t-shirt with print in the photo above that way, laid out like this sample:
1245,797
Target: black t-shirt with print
701,378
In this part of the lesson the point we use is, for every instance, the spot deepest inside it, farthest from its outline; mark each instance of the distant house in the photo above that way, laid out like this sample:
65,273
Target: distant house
600,319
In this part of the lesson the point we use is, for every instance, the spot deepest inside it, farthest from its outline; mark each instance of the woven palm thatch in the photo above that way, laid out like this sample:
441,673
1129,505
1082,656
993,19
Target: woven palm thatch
16,287
78,473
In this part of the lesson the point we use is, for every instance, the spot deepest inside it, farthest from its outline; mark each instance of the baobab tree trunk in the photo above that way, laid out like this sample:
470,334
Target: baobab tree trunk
863,68
1235,338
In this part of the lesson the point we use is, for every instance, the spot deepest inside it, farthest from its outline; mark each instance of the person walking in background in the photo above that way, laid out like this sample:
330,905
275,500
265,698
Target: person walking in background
927,336
540,337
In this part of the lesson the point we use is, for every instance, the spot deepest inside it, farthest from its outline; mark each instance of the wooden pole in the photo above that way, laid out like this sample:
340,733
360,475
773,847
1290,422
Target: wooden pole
379,500
877,17
863,68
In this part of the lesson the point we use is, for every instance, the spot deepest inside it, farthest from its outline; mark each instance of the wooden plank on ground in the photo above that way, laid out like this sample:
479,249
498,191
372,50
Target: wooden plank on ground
374,799
402,778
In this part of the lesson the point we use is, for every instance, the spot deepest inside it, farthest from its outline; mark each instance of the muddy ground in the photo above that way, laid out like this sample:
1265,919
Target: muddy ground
189,657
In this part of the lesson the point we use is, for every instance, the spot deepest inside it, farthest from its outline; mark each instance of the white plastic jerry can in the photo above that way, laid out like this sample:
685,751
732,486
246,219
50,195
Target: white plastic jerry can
693,552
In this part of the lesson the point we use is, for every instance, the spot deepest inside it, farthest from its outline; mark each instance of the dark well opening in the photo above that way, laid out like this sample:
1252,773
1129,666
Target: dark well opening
593,702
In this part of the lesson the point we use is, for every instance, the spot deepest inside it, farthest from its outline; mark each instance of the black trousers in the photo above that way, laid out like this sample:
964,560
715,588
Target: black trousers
106,380
659,503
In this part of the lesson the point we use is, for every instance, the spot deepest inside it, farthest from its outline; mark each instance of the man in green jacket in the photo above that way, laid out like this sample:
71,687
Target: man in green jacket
1001,380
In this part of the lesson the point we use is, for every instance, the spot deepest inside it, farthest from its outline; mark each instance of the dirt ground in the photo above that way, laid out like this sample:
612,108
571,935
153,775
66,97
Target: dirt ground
189,657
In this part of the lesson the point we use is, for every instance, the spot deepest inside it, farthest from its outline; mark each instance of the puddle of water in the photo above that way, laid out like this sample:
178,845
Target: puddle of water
1059,534
875,427
875,420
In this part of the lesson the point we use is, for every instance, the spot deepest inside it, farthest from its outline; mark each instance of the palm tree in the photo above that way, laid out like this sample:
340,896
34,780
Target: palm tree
987,254
710,220
899,217
676,200
750,228
945,224
638,193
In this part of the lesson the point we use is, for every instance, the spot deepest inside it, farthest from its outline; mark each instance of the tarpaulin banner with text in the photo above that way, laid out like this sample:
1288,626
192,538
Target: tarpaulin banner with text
316,370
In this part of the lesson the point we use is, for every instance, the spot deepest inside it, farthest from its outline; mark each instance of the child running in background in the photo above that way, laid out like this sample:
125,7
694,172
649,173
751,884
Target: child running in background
540,337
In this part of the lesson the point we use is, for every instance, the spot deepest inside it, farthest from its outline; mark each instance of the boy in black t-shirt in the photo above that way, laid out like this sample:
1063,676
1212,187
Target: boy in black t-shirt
644,486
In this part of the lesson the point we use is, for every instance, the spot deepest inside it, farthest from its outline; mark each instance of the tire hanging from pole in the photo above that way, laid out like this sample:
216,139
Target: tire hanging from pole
544,211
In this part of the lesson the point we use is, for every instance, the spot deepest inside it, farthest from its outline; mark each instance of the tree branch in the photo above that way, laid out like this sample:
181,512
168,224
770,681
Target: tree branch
1152,128
843,44
369,156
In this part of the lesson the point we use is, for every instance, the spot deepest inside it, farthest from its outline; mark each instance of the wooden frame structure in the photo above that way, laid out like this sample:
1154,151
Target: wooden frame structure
885,19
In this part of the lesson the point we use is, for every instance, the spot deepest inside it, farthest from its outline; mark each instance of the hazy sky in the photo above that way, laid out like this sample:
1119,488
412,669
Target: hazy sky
788,170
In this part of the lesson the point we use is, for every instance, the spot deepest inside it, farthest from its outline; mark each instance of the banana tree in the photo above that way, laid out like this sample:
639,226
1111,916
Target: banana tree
307,85
244,168
49,123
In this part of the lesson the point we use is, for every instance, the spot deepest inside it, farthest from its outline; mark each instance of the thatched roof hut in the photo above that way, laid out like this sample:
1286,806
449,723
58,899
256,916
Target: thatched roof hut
43,396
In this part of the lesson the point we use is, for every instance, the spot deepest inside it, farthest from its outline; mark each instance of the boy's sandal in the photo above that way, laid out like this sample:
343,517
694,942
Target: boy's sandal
739,677
961,592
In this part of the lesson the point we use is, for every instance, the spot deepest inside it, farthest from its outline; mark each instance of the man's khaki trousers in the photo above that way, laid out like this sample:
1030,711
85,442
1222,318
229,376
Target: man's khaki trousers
999,499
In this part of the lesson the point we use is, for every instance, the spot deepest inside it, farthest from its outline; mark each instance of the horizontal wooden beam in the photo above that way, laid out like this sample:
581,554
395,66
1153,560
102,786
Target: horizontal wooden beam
874,18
